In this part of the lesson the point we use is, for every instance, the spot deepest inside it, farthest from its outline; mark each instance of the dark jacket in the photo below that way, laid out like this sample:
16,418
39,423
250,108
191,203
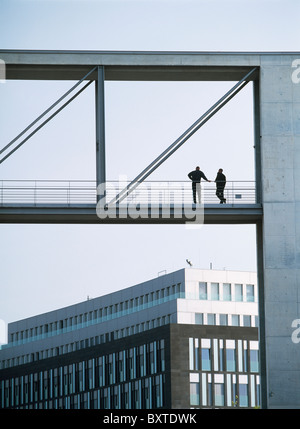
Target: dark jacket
196,176
220,180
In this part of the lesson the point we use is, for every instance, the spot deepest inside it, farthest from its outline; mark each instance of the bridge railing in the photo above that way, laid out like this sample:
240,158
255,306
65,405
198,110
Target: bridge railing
66,193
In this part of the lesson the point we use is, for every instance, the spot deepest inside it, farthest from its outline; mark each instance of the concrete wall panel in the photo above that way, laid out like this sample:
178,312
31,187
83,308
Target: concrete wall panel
277,119
280,156
281,286
278,89
278,152
296,118
288,396
279,316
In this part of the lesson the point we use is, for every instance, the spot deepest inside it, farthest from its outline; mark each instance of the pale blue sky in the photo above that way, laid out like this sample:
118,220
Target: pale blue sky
47,267
150,24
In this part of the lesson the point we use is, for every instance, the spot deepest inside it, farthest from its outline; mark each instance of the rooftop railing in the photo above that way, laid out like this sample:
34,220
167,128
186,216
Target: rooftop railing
67,193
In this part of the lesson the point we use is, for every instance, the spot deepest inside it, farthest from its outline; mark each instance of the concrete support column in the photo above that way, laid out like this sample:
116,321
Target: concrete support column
280,234
100,133
259,244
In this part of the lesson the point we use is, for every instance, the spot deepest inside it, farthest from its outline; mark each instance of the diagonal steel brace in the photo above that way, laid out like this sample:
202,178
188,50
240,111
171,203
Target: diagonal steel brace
43,114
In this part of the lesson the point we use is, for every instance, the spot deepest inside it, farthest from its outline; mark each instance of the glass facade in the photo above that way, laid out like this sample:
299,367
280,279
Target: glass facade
97,316
130,379
224,373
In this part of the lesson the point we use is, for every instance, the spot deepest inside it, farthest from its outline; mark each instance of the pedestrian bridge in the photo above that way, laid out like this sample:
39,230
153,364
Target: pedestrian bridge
137,201
44,201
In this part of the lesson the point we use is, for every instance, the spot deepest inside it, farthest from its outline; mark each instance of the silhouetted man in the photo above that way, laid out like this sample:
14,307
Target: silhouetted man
220,183
196,177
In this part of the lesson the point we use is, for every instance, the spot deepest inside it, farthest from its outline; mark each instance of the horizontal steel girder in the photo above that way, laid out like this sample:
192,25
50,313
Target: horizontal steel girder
130,66
145,214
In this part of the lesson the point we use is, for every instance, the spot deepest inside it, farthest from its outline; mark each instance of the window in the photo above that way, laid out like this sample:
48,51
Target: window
191,353
223,319
235,320
146,388
194,394
211,319
245,360
199,318
215,292
247,320
157,392
230,359
243,395
254,361
230,355
215,354
206,361
161,355
204,388
202,290
250,293
221,357
219,394
240,356
239,292
209,386
152,358
226,292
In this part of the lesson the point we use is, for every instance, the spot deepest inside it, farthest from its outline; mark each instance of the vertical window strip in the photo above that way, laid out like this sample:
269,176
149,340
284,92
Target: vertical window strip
191,353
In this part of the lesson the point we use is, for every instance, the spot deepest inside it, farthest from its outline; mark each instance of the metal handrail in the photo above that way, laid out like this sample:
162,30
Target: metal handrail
72,192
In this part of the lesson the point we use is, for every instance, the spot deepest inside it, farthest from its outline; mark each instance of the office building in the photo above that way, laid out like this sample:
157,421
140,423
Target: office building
188,339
